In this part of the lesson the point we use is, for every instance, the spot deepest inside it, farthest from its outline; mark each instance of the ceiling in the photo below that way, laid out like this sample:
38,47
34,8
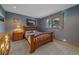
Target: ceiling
36,10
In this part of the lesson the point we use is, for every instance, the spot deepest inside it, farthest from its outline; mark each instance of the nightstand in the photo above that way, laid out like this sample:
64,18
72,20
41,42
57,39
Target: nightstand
17,35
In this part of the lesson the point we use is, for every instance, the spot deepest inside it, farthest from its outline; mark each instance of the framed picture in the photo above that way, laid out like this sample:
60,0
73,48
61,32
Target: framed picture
31,22
1,19
57,22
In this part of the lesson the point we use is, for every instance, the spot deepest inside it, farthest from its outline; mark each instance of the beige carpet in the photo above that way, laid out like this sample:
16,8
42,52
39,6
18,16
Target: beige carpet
53,48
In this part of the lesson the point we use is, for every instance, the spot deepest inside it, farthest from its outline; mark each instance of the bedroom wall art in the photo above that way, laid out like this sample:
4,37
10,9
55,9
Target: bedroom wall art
1,19
57,22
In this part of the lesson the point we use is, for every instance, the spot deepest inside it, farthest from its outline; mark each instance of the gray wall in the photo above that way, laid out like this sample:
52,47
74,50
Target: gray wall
43,25
2,24
71,26
10,18
2,10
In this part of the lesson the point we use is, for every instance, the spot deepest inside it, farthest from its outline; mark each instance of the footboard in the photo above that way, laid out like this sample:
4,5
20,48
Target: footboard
43,39
39,40
31,42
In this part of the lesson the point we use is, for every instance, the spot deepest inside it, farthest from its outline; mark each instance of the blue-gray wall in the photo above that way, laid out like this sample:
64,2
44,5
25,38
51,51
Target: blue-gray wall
2,10
2,24
43,26
10,17
71,26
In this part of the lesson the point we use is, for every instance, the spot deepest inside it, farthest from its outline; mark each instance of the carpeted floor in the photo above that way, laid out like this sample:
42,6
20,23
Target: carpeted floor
53,48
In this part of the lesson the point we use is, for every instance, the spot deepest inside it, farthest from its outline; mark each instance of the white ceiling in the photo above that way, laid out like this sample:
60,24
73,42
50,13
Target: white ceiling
36,10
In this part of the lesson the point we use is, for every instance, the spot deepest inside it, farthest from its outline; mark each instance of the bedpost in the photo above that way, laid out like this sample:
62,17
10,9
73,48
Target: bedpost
32,43
51,36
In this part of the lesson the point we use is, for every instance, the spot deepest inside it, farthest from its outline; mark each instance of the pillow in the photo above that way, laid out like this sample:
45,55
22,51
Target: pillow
37,33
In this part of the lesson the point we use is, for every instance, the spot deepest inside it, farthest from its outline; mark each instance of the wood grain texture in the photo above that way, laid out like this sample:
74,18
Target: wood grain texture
35,42
6,42
17,36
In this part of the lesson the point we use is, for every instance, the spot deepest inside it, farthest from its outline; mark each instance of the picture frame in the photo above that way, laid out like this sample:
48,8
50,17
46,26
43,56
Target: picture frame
57,22
31,22
1,19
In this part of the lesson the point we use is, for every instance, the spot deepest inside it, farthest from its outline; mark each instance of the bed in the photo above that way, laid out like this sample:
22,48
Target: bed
36,39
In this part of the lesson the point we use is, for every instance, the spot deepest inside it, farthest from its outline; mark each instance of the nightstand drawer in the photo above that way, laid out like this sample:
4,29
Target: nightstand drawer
17,36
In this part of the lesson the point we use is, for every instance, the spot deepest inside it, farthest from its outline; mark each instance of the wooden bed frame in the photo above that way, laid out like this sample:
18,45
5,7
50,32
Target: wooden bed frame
39,40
